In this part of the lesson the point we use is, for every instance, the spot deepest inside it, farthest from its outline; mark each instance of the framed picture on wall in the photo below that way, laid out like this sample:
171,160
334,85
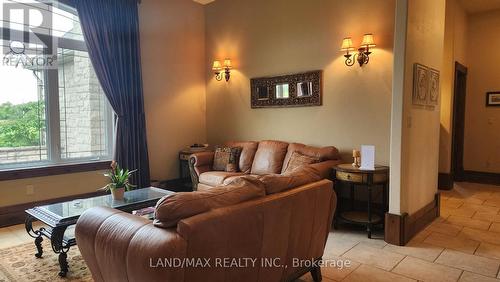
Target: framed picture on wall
493,99
420,84
433,94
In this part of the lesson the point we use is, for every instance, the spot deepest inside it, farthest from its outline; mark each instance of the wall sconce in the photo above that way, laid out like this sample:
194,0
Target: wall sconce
217,68
363,55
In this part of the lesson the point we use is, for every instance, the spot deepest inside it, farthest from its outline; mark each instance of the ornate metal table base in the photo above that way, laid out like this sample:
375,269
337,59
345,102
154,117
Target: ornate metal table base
59,244
59,216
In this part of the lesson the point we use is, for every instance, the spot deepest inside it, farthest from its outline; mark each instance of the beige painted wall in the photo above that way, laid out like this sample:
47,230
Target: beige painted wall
420,134
482,124
173,69
273,37
455,45
15,191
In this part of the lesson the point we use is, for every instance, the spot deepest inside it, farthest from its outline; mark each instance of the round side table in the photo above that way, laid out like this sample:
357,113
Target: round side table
356,178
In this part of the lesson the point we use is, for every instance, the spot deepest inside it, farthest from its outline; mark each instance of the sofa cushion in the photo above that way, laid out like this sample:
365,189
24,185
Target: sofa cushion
215,178
247,154
275,183
172,208
230,179
323,153
269,157
297,159
226,159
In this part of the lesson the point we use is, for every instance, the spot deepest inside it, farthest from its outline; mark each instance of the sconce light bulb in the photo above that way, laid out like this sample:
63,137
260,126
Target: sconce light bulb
346,45
216,66
227,64
368,41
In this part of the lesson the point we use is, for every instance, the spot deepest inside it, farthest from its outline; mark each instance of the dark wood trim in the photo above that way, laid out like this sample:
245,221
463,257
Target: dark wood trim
458,173
481,177
445,181
458,121
13,174
14,214
394,231
399,229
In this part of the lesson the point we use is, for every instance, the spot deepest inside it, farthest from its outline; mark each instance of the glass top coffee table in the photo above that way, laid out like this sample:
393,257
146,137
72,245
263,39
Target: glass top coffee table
59,216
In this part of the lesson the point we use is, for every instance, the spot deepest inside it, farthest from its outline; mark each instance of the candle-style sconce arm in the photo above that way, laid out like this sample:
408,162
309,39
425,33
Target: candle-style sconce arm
218,76
362,56
350,59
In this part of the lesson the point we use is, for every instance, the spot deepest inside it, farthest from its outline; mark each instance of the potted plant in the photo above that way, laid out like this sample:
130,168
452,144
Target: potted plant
119,181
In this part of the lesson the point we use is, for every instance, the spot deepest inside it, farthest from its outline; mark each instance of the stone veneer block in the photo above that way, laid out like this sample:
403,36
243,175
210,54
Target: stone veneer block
426,271
488,250
476,264
417,249
473,277
373,256
480,235
468,222
456,243
373,274
445,228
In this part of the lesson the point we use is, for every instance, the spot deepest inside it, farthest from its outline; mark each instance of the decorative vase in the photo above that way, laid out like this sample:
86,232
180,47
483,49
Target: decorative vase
118,193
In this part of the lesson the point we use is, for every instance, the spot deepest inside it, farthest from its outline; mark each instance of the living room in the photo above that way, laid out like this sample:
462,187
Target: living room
333,140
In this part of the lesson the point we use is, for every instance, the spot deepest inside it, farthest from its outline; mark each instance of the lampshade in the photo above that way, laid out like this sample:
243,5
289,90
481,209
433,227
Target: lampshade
216,66
227,63
368,40
346,44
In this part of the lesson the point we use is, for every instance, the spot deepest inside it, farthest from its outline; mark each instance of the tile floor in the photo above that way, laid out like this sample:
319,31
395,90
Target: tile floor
462,245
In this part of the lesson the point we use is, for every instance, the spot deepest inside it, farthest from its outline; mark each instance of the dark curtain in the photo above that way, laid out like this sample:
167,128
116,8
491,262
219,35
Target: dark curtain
111,32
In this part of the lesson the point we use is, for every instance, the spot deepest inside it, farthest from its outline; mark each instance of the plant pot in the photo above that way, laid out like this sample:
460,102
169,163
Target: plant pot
118,193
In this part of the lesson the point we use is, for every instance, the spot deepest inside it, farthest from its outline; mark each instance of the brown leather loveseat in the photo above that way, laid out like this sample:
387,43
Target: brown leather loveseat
259,158
266,228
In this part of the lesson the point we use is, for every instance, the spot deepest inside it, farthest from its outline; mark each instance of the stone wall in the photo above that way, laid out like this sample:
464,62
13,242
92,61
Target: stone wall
82,105
24,154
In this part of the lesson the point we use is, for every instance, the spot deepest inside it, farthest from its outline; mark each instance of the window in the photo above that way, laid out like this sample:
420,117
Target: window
50,115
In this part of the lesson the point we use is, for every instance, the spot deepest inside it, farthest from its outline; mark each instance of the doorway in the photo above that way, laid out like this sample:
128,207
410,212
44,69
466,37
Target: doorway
457,143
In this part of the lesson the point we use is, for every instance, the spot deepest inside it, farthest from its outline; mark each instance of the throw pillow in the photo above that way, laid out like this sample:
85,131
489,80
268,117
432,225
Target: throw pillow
297,159
226,159
173,208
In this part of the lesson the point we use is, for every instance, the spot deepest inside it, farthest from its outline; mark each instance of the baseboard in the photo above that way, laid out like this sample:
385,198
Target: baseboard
445,181
12,215
481,177
399,229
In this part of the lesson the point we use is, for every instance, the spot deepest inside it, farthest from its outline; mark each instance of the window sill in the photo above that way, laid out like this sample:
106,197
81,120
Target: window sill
21,173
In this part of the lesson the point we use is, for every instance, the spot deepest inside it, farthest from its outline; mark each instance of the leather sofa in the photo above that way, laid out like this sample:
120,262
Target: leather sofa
284,231
258,158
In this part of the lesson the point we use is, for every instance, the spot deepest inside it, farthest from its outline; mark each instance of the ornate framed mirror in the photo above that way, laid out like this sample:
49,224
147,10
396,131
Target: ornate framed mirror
294,90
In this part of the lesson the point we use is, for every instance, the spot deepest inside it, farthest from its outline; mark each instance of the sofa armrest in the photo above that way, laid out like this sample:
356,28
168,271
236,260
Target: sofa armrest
325,168
118,246
199,163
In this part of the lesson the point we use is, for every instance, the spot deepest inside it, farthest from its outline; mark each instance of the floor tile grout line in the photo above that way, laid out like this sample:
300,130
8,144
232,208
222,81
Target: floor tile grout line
360,264
349,249
440,253
405,256
460,276
497,272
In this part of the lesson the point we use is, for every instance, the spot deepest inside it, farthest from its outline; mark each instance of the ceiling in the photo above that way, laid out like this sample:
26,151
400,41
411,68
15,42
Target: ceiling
477,6
204,2
471,6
